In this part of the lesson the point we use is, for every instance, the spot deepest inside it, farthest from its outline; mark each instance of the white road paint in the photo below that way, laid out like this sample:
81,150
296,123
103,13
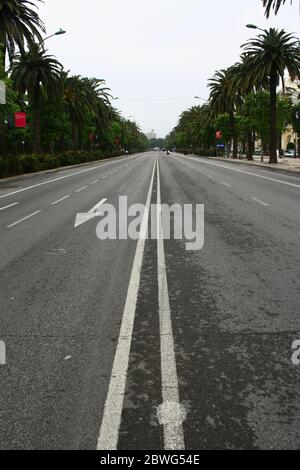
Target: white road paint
226,184
83,217
60,200
80,189
63,177
7,207
24,219
95,182
171,414
260,202
228,167
109,432
103,177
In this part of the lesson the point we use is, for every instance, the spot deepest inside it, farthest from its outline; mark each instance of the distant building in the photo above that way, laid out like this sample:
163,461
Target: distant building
151,135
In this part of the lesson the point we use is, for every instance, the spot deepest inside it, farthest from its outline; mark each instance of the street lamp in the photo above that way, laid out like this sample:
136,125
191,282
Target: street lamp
58,33
253,26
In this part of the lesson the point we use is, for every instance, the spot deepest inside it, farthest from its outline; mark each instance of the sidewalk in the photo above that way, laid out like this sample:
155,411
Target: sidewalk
290,165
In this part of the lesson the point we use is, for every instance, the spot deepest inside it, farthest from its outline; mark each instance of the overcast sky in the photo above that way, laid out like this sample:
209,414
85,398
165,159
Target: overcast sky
155,55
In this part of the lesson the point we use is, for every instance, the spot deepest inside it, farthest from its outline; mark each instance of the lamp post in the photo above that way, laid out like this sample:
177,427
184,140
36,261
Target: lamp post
58,33
253,26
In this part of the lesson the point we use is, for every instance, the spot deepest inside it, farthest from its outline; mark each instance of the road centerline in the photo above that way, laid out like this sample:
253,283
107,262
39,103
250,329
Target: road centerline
171,414
111,420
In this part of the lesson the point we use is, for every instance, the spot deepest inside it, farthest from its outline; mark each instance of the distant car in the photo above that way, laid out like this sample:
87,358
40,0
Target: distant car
290,153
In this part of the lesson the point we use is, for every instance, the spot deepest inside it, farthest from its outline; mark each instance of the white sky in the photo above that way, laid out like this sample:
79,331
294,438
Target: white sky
155,56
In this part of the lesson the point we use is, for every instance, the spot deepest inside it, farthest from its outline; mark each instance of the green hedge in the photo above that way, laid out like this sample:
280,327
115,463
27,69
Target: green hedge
17,165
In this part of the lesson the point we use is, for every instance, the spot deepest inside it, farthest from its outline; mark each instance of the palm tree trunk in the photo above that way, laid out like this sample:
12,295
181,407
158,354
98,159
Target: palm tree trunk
75,136
36,143
234,136
273,116
249,146
36,127
3,49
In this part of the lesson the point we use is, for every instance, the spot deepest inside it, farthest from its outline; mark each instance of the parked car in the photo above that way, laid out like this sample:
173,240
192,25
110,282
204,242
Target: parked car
290,153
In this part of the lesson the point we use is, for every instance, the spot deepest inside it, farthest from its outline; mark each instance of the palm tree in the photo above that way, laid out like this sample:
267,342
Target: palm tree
34,72
82,97
267,57
18,23
273,4
225,98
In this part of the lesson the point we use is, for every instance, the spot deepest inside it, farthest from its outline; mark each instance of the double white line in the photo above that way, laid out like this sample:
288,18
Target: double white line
170,413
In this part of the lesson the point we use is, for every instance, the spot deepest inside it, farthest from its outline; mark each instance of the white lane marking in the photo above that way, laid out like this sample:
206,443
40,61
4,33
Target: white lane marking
260,202
209,176
62,177
10,205
226,184
60,200
94,182
103,177
109,432
171,413
23,220
80,189
275,180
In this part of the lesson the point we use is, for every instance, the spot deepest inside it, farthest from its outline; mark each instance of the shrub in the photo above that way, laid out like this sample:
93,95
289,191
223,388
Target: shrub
18,164
30,163
291,146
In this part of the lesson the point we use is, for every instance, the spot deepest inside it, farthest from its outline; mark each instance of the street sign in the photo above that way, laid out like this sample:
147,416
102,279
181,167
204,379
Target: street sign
20,120
2,92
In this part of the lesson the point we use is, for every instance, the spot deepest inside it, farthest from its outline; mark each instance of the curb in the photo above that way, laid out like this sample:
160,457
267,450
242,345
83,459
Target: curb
61,168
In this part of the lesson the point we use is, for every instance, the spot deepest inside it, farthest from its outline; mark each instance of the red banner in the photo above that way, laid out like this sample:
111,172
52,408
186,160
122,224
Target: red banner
219,135
20,120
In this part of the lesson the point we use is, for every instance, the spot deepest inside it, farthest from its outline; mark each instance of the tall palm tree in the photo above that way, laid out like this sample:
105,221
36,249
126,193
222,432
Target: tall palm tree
19,23
267,57
273,4
82,97
225,98
35,72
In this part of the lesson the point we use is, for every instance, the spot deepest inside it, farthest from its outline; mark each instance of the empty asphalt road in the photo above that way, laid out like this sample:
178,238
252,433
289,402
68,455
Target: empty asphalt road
140,344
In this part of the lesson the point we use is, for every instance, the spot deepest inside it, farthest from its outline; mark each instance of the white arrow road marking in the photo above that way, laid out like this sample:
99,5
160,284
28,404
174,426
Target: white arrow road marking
83,217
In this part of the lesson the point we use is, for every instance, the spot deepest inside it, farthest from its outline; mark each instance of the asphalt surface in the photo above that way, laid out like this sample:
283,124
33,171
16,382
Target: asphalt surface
208,333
